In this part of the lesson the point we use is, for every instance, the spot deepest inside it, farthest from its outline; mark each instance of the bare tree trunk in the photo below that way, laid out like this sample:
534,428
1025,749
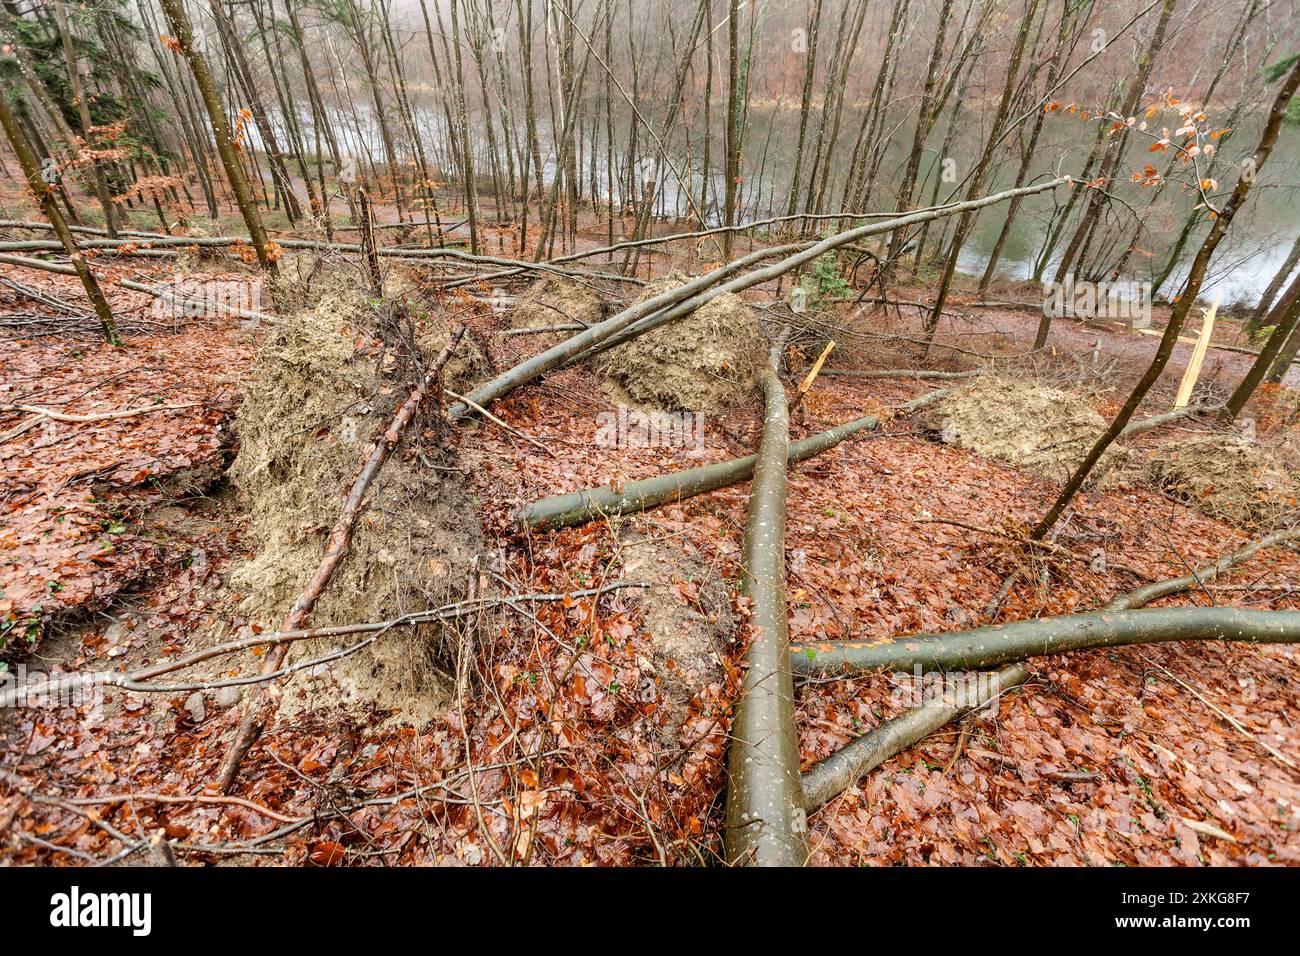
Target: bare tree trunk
179,22
462,131
288,108
44,193
1256,320
320,118
1284,318
1111,159
823,169
83,111
1286,357
858,184
1182,307
1027,156
981,169
805,104
735,110
1235,41
766,825
922,127
274,157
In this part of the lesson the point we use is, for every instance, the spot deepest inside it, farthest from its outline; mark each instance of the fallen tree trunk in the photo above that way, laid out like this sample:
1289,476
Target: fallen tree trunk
157,292
584,342
684,299
899,373
1158,589
579,507
855,760
1133,429
848,765
766,824
156,242
1005,643
340,538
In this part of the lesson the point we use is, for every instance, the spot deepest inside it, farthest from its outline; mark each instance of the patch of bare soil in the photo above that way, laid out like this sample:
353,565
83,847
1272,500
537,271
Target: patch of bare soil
706,361
1225,476
1043,430
686,615
318,396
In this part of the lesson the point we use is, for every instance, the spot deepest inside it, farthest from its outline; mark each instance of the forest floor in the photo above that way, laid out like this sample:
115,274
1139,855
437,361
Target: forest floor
122,535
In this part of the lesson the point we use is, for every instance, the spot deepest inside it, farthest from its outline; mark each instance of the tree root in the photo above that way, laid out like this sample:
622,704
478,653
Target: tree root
340,538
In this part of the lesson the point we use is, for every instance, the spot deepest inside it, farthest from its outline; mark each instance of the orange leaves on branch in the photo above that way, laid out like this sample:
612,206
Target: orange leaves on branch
240,130
1149,176
171,43
245,252
149,187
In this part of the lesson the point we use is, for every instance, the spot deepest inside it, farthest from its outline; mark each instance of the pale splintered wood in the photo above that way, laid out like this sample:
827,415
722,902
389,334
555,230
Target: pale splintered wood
1198,355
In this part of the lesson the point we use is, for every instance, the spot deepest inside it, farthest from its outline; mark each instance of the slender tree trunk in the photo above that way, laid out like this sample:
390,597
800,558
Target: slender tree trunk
1182,307
1112,158
823,169
1028,155
179,23
735,93
1266,300
922,127
462,131
1284,318
805,105
965,222
274,157
83,111
44,193
1286,357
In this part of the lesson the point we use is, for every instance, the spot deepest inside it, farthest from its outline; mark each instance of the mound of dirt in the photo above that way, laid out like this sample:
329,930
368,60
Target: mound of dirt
555,300
686,613
1040,429
1225,476
314,402
703,362
200,258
